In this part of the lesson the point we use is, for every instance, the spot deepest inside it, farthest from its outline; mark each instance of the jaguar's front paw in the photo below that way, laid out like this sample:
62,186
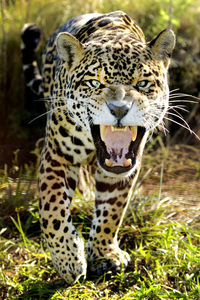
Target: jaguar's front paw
115,261
70,269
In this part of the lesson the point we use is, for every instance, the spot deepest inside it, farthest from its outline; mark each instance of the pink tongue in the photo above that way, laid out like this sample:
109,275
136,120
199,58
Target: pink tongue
117,139
117,143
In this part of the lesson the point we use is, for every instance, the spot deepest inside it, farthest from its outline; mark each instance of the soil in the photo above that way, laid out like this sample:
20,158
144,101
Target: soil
180,183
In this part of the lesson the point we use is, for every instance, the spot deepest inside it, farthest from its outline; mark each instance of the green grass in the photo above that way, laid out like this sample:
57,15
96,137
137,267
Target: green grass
161,235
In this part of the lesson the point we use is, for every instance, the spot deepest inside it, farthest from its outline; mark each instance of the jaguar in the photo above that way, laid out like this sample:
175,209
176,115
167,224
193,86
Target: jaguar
106,90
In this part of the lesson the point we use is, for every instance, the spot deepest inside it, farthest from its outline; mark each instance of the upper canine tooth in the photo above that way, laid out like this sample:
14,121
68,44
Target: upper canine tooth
103,131
134,131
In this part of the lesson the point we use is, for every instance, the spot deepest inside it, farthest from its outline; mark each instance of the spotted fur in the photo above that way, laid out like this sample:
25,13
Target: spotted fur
106,89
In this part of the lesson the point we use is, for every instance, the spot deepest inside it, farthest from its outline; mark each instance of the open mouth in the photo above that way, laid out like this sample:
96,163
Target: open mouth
117,147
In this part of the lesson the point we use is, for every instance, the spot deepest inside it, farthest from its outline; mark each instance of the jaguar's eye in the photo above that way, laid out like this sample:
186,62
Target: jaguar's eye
93,83
142,84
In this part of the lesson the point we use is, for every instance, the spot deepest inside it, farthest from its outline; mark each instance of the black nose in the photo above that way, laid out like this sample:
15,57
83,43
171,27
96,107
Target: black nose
118,111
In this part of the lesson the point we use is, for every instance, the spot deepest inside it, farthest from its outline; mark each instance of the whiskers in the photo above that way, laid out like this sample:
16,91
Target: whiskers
45,114
173,94
53,103
158,116
61,104
176,107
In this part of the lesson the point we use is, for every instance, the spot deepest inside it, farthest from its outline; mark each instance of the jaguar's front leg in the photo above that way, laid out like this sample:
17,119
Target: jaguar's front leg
57,182
112,197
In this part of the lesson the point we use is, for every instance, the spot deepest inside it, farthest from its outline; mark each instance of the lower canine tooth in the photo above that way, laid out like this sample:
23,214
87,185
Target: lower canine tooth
108,163
127,163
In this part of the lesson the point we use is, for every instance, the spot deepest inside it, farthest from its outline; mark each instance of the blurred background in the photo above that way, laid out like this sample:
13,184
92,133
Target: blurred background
18,106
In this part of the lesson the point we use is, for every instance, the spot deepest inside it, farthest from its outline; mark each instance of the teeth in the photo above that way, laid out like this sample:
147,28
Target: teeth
108,163
103,131
127,163
134,131
118,128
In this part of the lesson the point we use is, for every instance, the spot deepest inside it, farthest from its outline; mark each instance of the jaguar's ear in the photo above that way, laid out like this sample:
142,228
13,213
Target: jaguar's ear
163,45
69,49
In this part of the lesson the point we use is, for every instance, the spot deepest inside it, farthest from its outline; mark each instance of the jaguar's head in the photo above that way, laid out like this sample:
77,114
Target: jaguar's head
116,88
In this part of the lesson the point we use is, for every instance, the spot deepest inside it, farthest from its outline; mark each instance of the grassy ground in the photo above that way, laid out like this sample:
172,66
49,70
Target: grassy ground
160,232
